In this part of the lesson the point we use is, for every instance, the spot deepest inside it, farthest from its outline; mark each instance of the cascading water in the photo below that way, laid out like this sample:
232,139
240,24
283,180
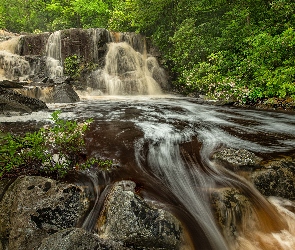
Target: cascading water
12,66
53,52
126,72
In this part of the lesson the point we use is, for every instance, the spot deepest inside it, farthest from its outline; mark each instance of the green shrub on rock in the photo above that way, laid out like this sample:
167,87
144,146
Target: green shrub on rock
53,150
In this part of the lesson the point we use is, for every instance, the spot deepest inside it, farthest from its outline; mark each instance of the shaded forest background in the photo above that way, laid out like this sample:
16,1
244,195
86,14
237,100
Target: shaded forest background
241,50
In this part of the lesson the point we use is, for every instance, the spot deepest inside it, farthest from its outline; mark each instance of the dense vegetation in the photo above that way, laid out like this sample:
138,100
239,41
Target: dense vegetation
55,150
232,49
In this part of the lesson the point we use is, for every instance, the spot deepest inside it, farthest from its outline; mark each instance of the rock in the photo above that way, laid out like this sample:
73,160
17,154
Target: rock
13,101
4,184
277,179
129,219
236,158
77,239
10,84
64,93
34,207
232,209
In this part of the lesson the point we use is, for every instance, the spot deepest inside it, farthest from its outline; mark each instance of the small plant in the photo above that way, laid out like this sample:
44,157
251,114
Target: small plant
71,65
74,65
53,150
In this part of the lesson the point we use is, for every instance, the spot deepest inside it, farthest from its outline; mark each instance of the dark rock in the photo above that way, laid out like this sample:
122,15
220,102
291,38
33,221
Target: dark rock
277,179
34,44
129,219
13,101
33,208
64,93
77,239
11,84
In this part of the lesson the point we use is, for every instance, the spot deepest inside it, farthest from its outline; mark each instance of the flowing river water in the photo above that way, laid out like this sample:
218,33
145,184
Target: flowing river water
165,143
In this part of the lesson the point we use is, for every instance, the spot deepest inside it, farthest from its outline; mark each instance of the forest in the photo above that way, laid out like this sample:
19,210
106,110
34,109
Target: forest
234,50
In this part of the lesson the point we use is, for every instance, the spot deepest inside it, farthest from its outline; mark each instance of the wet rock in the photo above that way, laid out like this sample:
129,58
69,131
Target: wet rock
232,210
10,84
77,239
129,219
13,101
277,179
33,208
64,93
236,158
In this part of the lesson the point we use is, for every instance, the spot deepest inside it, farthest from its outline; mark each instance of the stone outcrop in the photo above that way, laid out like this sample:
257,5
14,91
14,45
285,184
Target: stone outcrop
129,219
33,208
12,101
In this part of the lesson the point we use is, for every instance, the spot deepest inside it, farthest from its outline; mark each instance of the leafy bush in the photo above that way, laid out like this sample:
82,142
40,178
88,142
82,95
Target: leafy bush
74,65
53,150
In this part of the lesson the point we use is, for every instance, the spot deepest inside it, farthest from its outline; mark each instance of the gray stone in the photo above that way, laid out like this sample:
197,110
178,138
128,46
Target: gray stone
129,219
236,158
77,239
64,93
33,207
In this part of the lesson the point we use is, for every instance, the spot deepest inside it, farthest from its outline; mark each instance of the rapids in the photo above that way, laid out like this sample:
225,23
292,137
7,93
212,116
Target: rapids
165,144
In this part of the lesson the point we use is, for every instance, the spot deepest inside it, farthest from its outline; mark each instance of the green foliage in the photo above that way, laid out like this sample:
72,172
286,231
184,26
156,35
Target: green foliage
74,65
237,50
53,150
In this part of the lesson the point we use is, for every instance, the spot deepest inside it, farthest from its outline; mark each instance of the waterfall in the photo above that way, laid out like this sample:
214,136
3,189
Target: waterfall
126,72
12,66
54,58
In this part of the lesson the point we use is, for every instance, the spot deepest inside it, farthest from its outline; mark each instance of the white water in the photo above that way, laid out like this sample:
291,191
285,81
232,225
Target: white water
12,66
126,72
54,58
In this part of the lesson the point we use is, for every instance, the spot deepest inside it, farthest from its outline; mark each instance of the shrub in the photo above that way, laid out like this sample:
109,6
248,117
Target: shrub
53,150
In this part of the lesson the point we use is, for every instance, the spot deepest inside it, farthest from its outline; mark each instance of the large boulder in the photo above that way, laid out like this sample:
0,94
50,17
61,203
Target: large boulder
129,219
277,178
13,101
33,208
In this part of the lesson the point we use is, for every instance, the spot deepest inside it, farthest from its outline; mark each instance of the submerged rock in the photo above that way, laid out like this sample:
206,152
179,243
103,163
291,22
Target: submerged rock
129,219
34,207
232,210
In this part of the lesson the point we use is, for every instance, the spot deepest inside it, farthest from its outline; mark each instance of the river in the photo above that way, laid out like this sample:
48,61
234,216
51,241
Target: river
165,144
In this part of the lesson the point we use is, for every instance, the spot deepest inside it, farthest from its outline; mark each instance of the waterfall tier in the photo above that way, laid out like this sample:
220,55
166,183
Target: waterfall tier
107,62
